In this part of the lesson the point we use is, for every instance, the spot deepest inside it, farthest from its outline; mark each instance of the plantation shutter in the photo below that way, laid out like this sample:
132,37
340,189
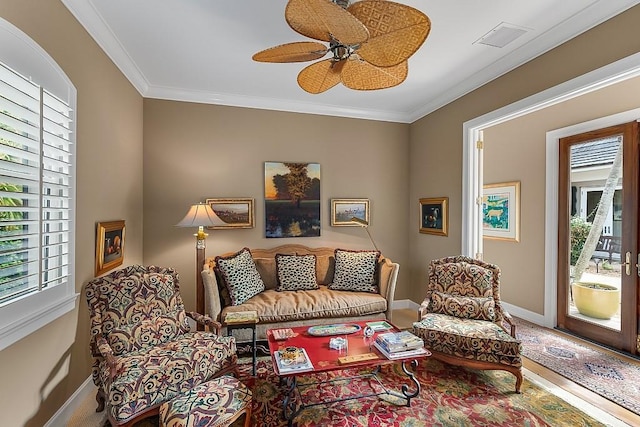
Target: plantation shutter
35,187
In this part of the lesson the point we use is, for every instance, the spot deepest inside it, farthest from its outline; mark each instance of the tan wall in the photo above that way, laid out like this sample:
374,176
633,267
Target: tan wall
40,372
515,150
438,136
196,151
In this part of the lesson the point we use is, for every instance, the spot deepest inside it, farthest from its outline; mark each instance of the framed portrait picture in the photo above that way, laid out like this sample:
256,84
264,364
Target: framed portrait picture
434,216
109,246
342,210
501,211
232,213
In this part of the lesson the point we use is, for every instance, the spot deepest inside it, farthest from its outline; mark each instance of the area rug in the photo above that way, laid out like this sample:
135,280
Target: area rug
450,396
614,378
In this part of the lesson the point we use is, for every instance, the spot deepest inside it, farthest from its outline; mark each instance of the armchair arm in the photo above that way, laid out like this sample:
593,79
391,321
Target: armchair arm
422,310
104,350
205,320
510,322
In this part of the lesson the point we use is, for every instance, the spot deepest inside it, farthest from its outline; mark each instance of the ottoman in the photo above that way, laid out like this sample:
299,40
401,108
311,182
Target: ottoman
216,403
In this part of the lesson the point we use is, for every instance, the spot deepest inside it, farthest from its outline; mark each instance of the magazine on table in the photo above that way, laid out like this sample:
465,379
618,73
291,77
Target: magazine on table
381,325
301,364
399,341
401,354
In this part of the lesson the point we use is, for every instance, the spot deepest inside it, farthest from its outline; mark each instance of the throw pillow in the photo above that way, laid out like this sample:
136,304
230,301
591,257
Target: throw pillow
296,272
240,276
478,308
355,271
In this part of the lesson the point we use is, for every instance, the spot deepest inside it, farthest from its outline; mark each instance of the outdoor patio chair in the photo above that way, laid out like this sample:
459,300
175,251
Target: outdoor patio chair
462,319
144,353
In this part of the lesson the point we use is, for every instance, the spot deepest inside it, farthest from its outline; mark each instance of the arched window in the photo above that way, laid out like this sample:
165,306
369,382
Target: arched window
37,187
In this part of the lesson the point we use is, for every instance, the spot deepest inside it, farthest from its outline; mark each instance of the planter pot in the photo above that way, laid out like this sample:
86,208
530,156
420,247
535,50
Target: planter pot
596,299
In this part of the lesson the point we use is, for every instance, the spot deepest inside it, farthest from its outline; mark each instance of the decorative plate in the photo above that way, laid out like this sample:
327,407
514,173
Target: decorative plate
338,329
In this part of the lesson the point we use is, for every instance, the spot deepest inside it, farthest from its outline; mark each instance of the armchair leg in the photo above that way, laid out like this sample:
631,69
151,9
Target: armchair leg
100,399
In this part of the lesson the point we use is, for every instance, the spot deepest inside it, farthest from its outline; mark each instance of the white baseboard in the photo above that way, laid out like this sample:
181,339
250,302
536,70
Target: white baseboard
63,415
405,303
522,313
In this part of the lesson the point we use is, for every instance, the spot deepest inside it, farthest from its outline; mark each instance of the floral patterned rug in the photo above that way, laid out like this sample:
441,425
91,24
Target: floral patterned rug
450,396
614,378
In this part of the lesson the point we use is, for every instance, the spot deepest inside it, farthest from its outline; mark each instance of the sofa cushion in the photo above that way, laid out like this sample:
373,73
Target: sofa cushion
470,339
480,308
273,306
149,377
296,272
240,276
355,271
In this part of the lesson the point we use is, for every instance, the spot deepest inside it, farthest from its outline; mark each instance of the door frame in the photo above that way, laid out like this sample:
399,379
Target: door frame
471,234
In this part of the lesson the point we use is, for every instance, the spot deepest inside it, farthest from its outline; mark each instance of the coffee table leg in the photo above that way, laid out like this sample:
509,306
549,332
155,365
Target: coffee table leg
410,373
289,410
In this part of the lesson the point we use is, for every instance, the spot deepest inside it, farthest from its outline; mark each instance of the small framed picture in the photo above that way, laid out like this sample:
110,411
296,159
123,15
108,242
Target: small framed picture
501,211
434,216
344,210
109,246
232,213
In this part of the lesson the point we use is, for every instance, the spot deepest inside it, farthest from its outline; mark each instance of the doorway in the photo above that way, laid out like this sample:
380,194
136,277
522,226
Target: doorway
597,284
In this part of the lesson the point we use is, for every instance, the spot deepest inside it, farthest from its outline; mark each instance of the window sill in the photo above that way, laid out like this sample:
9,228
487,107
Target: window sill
26,315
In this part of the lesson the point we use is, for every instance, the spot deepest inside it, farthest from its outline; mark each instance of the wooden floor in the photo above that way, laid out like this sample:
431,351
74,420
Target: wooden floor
404,318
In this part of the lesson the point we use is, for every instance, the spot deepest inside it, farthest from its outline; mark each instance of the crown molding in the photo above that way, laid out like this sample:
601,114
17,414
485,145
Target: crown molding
101,33
277,104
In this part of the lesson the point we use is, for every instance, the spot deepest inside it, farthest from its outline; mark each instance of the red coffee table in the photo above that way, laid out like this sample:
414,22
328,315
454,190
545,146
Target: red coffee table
325,359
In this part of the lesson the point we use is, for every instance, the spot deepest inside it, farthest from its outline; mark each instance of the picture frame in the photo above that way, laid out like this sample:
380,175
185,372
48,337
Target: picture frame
342,210
291,199
501,211
434,216
232,213
110,244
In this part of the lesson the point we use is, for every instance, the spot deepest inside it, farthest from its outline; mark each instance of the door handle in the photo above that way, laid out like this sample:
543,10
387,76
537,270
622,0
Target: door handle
627,263
638,265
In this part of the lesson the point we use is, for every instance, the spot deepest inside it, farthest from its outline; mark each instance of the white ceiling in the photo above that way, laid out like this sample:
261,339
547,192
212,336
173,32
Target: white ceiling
200,51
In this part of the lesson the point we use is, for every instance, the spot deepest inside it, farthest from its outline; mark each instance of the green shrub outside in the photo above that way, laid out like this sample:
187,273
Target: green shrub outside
579,229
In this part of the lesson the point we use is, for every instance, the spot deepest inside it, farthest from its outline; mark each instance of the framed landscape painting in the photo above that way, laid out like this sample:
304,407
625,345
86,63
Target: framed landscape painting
501,211
342,210
232,213
292,199
109,246
434,216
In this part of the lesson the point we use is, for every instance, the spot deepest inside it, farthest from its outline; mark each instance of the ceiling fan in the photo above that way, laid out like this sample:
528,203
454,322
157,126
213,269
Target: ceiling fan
370,42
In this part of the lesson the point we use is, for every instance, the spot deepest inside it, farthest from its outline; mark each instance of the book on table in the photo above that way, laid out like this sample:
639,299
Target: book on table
399,341
241,317
420,351
302,362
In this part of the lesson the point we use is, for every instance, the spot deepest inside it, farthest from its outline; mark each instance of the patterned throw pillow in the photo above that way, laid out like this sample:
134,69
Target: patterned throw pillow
478,308
355,271
296,272
240,276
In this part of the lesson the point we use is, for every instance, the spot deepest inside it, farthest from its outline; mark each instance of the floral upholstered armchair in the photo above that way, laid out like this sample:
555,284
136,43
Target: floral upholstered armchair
144,353
462,319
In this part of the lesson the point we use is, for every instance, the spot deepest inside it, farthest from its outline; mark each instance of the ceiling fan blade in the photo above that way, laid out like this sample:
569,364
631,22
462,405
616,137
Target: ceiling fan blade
396,31
320,76
323,19
292,52
360,75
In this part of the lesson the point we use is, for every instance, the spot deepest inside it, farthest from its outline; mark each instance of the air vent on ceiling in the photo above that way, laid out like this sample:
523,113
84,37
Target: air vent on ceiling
502,35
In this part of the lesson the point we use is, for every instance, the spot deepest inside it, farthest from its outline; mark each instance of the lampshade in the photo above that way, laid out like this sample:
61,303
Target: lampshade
200,215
